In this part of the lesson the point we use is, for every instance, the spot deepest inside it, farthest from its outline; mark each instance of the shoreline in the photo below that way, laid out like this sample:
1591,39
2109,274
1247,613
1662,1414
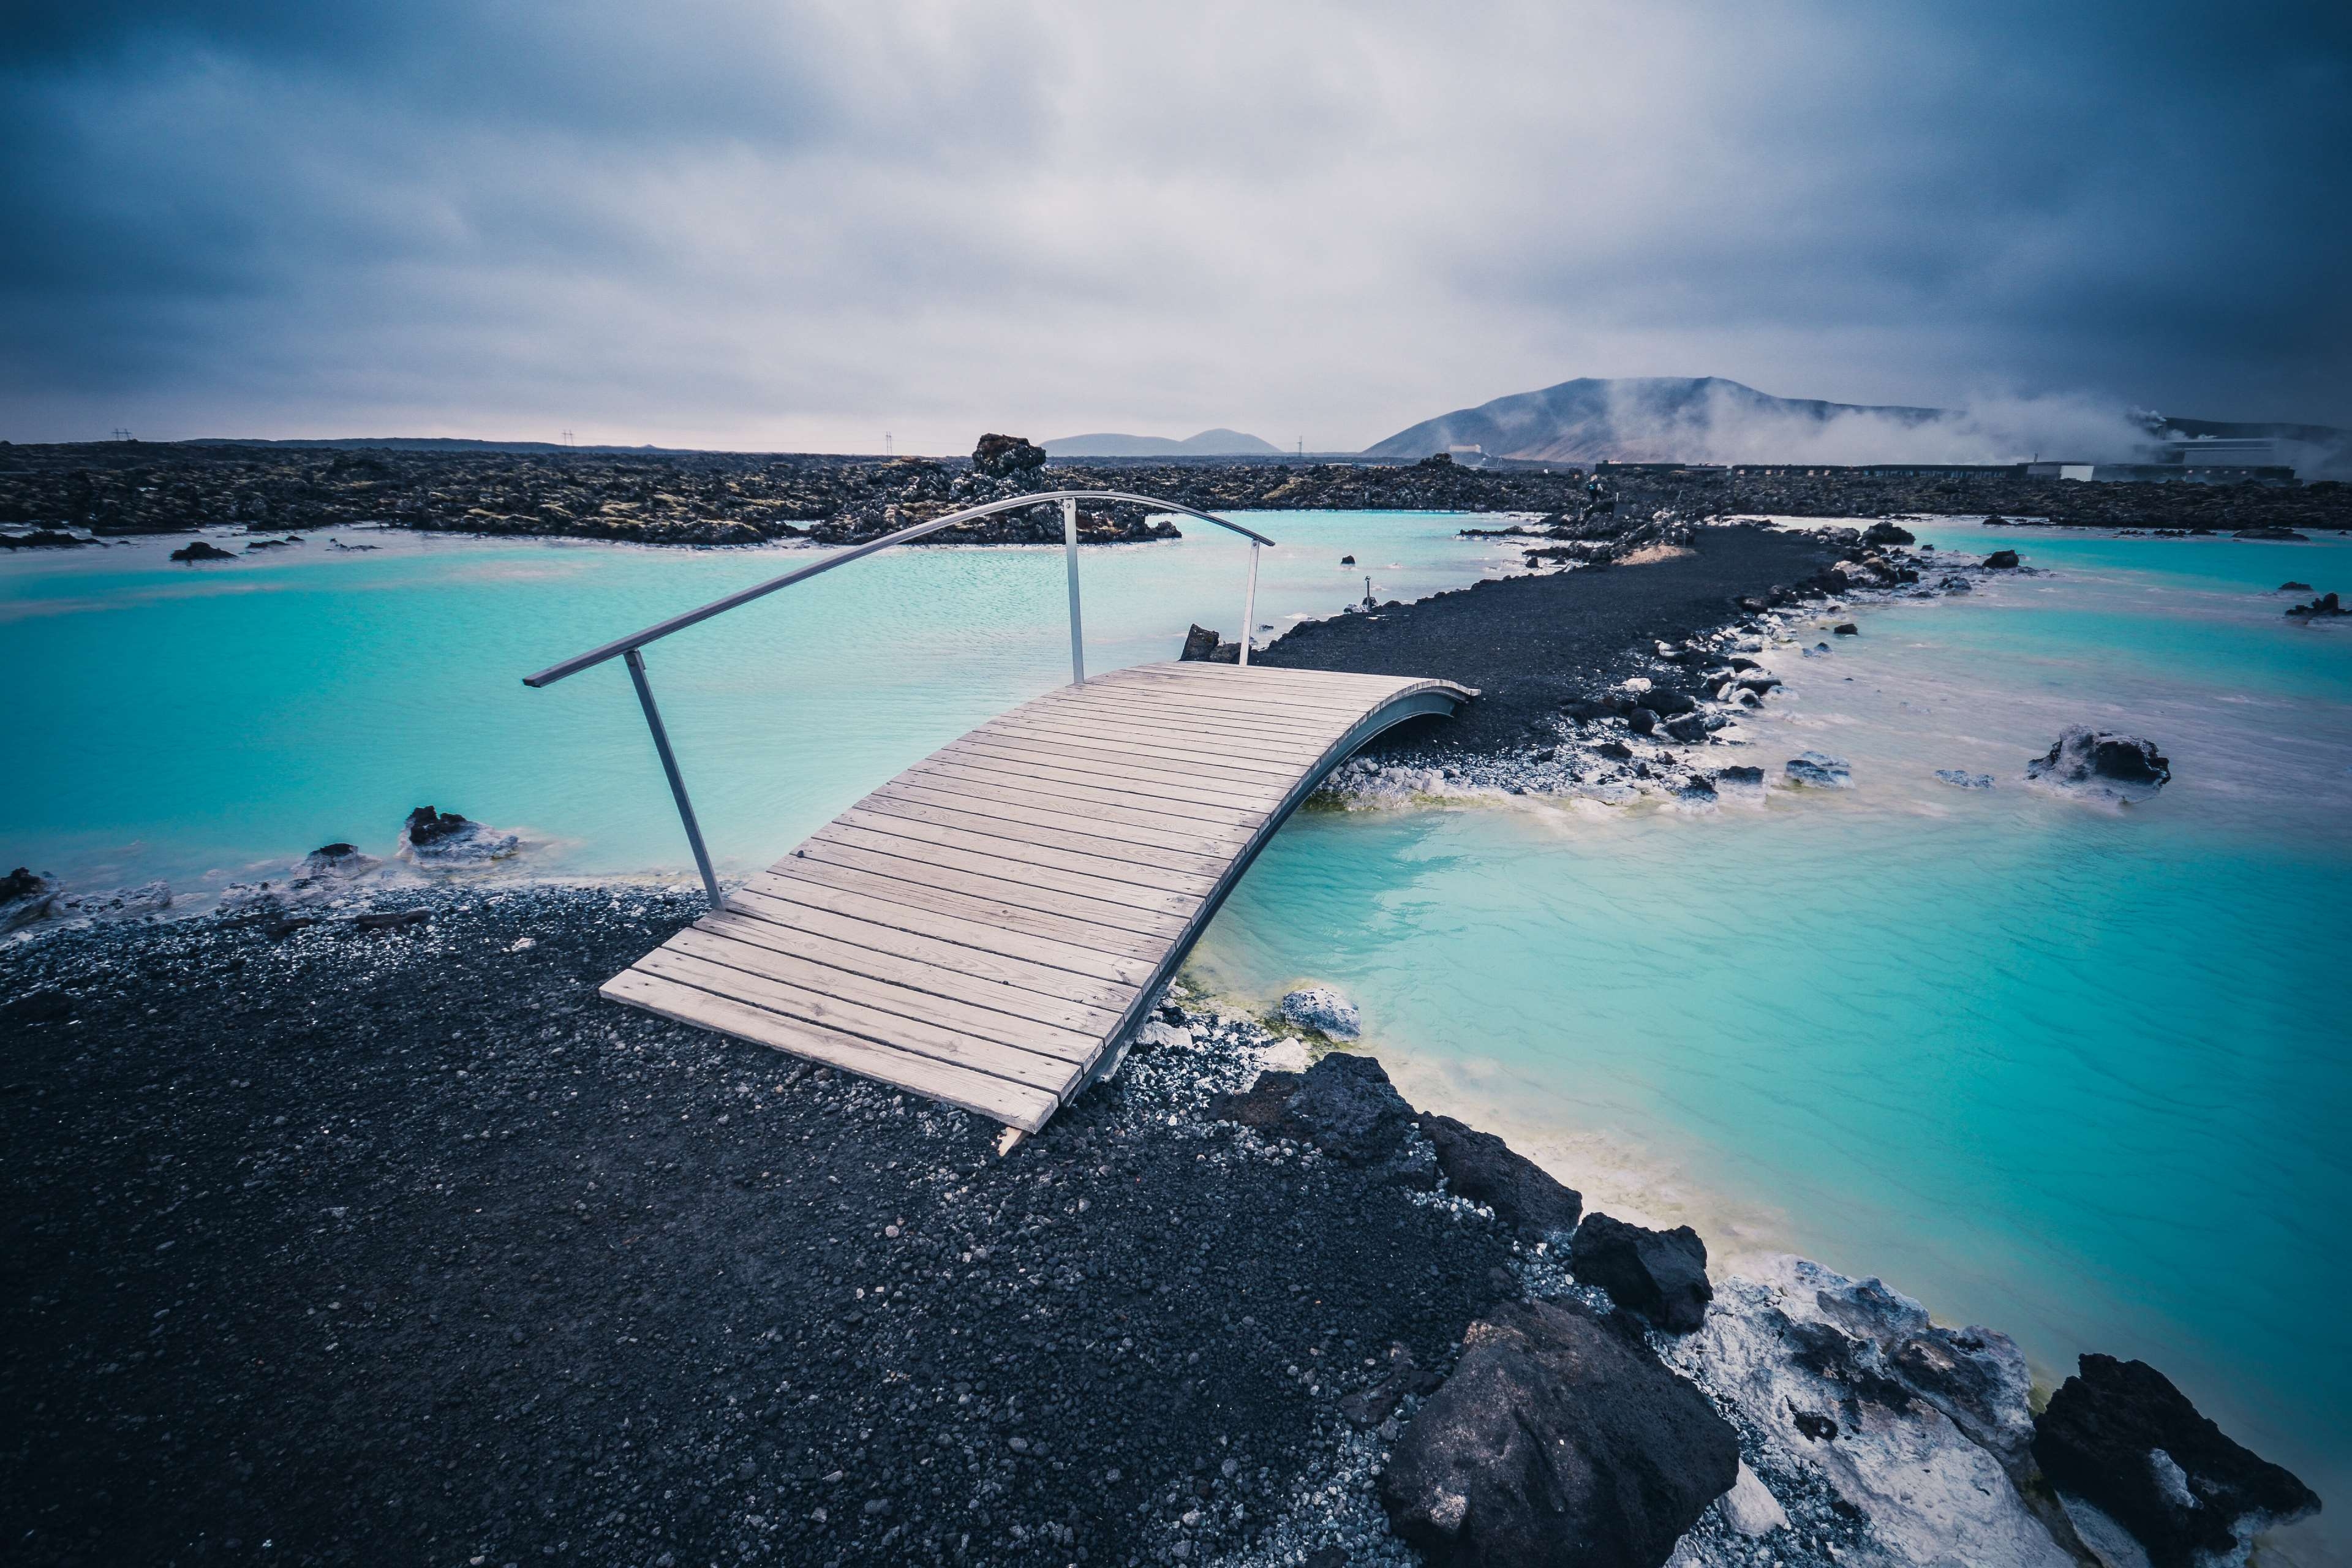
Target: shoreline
718,498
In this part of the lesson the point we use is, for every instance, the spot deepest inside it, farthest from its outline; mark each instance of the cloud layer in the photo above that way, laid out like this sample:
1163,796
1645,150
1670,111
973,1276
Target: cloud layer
792,226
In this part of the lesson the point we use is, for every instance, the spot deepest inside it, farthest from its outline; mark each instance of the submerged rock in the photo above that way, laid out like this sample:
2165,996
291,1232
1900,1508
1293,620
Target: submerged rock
1482,1168
343,860
1660,1276
2099,762
2119,1436
1323,1010
1818,769
433,838
1558,1440
25,897
1742,782
1959,778
1923,1431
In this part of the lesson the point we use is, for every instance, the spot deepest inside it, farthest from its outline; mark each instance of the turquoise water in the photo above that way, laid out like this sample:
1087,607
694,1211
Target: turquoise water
2074,1072
202,723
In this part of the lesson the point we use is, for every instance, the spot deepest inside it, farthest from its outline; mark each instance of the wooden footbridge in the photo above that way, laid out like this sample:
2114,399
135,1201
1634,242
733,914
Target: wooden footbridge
987,927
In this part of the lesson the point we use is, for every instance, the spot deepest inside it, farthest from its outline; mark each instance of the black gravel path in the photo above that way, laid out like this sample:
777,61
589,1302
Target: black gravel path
405,1248
1530,644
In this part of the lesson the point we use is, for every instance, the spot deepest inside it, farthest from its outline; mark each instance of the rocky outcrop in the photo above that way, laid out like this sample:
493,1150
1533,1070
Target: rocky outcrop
1818,769
201,550
2120,1437
1888,533
1922,1431
1659,1276
2324,605
2100,763
1559,1441
1482,1167
1344,1105
433,838
2001,560
1323,1010
25,897
340,861
1005,456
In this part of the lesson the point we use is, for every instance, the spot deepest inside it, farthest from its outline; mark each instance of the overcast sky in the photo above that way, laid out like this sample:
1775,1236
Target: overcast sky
777,226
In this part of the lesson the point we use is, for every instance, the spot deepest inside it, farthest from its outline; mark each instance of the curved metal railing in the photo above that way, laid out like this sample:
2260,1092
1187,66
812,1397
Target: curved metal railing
627,649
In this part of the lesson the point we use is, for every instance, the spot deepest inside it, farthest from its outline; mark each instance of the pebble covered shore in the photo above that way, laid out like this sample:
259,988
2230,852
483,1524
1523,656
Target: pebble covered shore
402,1245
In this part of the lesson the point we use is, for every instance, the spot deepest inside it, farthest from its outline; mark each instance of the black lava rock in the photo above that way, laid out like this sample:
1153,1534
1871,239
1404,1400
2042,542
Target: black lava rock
2001,560
2121,1437
1847,630
2081,757
1483,1169
1888,533
1690,729
1344,1105
201,550
1003,457
1658,1275
1641,721
425,825
1559,1441
1199,644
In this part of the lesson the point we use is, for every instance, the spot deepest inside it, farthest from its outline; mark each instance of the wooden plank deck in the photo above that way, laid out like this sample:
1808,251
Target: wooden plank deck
988,925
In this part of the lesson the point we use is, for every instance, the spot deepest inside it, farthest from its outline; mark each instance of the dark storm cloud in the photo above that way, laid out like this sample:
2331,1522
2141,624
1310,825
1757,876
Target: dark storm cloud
799,224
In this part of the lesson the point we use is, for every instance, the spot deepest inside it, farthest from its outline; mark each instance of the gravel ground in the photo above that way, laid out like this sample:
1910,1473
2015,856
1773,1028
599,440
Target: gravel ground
404,1247
1530,644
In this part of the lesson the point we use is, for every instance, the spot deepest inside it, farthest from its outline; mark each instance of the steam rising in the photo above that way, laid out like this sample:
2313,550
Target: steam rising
1722,427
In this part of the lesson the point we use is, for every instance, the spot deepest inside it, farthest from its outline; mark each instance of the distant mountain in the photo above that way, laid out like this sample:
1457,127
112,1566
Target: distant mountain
1646,419
1207,444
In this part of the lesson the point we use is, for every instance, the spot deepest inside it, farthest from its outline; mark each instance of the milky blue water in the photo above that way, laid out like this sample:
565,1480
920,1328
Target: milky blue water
2076,1072
199,724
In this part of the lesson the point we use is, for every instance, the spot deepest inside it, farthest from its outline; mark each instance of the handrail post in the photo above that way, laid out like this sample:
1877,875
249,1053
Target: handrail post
636,664
1070,549
1249,604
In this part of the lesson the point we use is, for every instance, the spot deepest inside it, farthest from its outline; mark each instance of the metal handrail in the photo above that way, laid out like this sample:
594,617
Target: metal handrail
655,633
627,648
